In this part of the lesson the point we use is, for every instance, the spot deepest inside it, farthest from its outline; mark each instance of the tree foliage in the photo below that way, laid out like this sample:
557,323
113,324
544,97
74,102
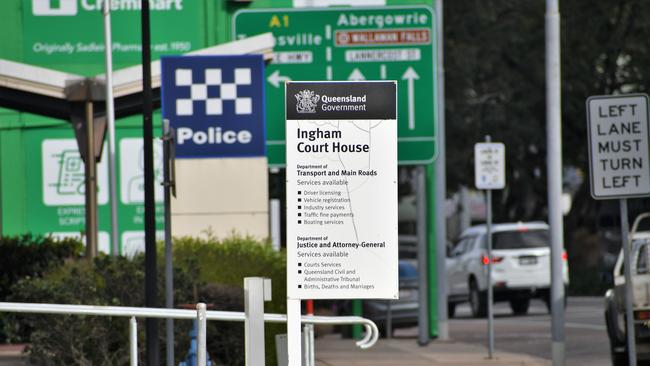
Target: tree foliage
495,84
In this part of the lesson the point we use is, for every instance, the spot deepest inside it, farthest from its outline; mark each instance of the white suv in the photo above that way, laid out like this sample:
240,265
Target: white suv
521,267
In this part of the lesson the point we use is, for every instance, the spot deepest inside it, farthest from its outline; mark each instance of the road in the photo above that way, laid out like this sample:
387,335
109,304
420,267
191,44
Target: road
586,335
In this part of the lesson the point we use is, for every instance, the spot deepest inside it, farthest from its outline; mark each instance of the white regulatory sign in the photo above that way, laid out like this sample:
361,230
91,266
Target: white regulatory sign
490,165
341,190
619,158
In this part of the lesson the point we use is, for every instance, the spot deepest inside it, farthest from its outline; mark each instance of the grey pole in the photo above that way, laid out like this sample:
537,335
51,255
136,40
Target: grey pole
423,283
554,164
627,255
441,188
91,183
490,290
169,275
110,122
201,348
256,291
389,319
133,336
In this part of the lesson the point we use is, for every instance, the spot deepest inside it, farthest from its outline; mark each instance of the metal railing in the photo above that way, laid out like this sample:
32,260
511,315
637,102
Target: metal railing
201,315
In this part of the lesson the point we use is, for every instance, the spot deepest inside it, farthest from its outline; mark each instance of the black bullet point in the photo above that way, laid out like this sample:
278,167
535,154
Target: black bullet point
300,222
299,207
299,214
299,271
299,199
299,192
299,286
299,264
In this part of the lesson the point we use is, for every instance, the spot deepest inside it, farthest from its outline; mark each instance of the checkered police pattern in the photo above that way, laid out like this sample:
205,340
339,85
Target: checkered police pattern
213,104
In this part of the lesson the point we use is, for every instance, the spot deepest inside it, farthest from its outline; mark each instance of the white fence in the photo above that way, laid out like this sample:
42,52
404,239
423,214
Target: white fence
201,314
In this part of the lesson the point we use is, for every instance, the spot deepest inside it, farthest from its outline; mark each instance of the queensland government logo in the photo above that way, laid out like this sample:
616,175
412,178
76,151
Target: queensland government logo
307,101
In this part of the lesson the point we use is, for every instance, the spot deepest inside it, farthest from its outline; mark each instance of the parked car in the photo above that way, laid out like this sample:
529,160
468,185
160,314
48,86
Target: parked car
521,267
615,302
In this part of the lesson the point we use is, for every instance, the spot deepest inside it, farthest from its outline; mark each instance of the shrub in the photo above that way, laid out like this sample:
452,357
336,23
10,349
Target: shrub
76,340
29,257
204,270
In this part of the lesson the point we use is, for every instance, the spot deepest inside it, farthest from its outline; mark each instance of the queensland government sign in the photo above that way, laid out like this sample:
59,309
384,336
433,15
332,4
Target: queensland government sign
354,44
341,190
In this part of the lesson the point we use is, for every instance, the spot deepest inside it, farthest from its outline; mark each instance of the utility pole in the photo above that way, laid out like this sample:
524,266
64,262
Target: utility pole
554,164
151,291
441,184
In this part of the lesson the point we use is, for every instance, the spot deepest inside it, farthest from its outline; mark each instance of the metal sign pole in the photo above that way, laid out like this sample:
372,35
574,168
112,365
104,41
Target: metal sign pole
629,318
168,140
151,289
554,167
441,182
489,174
110,122
489,275
490,292
423,283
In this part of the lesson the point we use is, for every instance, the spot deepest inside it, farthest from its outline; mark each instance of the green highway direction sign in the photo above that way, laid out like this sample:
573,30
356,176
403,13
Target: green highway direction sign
383,43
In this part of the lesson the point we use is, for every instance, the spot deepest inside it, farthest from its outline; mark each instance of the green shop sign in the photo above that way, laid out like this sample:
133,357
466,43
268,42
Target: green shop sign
72,31
55,186
384,43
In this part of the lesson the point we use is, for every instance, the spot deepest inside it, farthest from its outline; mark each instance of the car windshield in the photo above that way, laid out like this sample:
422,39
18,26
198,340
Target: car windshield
521,239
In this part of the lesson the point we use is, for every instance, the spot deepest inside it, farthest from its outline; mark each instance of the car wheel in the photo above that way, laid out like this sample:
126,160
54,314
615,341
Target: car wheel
451,309
477,301
520,306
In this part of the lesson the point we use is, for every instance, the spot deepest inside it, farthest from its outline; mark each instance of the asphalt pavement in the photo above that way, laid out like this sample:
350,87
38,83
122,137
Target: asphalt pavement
585,331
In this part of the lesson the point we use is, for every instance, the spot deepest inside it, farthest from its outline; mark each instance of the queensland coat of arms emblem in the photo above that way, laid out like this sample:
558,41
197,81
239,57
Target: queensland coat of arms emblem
307,101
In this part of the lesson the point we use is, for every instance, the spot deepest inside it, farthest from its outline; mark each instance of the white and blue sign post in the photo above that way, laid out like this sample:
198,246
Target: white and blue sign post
215,104
489,174
215,108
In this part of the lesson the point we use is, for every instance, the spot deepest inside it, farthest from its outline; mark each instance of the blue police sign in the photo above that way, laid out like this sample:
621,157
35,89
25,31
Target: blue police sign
216,105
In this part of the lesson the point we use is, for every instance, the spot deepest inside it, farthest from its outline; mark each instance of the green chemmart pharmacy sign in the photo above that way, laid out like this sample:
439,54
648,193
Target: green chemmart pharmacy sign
71,31
387,43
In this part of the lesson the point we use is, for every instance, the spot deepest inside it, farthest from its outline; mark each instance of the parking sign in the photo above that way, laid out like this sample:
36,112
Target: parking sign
490,165
216,105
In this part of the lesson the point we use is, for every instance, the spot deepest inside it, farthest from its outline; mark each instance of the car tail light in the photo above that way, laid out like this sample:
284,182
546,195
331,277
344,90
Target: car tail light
642,315
565,257
485,260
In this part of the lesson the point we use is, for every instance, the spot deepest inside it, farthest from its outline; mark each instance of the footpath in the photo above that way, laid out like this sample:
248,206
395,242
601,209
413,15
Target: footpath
334,351
406,352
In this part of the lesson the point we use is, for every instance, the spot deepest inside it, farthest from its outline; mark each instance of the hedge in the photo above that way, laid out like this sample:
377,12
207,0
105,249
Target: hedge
208,270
